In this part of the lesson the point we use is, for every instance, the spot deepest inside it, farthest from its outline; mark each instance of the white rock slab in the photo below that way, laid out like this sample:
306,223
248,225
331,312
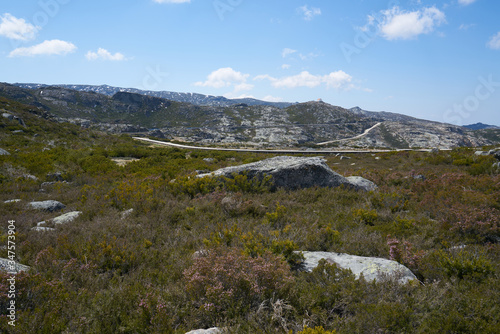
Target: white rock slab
372,268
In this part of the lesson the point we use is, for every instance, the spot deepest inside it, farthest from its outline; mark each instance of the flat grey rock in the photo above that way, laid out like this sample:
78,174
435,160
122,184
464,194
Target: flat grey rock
362,183
290,172
213,330
43,229
50,206
372,268
12,266
3,152
67,217
11,201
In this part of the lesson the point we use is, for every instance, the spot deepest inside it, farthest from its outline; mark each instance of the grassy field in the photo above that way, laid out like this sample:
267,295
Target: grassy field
108,272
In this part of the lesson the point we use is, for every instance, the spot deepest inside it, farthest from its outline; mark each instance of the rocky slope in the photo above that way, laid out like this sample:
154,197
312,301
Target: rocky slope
193,98
304,124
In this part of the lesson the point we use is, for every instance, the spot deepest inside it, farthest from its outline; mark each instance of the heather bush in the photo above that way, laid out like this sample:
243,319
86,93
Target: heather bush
227,282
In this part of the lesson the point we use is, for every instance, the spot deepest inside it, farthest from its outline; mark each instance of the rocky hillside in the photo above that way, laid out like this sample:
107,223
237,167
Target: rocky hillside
303,124
193,98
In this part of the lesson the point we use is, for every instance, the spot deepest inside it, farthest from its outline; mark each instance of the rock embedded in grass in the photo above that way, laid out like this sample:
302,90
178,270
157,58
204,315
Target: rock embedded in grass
50,205
12,266
372,268
294,173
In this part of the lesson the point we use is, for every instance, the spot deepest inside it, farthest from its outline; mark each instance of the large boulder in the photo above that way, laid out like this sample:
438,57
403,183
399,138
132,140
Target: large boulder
50,206
291,173
12,266
372,268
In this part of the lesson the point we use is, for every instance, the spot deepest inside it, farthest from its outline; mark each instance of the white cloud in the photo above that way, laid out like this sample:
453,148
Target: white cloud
270,98
466,2
172,1
336,80
309,13
104,55
286,66
52,47
14,28
494,42
466,26
286,52
226,77
399,24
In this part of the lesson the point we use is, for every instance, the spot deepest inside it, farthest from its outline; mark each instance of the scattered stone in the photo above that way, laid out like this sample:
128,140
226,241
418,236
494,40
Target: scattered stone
55,177
30,177
377,158
209,160
289,172
480,153
3,152
213,330
67,217
126,213
10,201
496,165
419,177
362,183
372,268
50,206
12,266
10,117
43,229
18,131
344,158
203,171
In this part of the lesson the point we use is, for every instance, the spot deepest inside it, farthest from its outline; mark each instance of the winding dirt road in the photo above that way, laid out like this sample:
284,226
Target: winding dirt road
282,151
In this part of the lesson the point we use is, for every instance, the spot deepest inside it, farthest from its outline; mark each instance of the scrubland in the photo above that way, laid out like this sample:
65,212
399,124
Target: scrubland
198,253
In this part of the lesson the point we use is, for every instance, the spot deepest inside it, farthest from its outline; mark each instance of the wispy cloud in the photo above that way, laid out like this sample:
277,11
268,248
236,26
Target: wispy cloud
286,52
336,80
52,47
494,42
400,24
104,54
309,13
466,2
18,29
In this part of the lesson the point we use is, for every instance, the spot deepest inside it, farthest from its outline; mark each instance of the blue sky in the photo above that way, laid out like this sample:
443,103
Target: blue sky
438,60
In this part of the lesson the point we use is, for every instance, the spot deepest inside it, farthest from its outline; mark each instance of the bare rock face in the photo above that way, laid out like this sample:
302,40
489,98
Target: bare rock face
292,173
372,268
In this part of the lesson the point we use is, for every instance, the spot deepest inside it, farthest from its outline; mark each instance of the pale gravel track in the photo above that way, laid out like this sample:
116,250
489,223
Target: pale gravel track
281,151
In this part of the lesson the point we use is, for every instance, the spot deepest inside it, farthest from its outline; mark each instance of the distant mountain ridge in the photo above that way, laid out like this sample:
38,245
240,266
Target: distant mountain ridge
480,126
193,98
302,124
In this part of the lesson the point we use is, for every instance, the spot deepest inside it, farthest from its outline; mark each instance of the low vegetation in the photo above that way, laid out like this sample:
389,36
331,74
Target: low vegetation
198,253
